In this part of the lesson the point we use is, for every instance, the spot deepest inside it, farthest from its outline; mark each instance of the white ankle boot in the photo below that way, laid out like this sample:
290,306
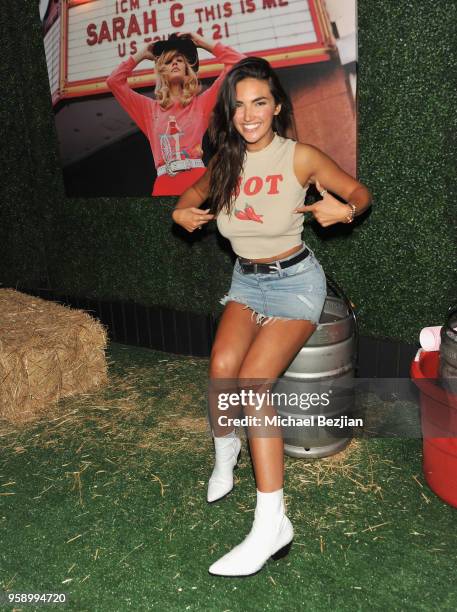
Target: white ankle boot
221,481
271,536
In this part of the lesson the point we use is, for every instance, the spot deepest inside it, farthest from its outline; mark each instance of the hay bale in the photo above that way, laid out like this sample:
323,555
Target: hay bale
47,351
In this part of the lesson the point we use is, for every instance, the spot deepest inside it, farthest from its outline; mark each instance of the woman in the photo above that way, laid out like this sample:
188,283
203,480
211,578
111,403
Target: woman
177,119
256,184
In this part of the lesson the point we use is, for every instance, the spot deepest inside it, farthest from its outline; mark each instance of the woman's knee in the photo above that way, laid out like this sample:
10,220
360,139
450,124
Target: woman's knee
224,363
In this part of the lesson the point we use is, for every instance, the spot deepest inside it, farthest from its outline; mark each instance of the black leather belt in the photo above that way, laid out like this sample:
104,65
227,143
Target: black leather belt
267,268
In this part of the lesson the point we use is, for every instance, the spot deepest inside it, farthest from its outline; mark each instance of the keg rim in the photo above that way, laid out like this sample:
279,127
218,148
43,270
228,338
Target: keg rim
451,315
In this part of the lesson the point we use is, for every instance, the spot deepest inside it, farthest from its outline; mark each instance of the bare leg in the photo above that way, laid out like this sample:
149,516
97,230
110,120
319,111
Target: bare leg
272,533
272,350
235,334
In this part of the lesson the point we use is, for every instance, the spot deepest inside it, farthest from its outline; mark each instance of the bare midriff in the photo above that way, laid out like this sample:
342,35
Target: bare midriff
280,256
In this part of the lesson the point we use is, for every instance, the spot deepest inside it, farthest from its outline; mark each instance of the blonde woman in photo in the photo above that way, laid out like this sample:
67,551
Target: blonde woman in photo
176,120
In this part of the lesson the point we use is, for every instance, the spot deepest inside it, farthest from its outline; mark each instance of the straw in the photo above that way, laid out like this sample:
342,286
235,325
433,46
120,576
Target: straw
47,352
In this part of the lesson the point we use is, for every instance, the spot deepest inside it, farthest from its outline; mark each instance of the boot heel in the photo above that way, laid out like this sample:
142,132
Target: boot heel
282,552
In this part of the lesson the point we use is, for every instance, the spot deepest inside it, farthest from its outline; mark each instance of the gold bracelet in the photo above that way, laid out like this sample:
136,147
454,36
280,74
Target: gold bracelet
351,215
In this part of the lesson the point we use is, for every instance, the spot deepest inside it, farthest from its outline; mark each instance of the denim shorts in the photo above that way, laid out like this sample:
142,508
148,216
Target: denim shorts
297,292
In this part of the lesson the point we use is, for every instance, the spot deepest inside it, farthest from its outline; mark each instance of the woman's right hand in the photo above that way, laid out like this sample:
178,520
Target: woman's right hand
191,218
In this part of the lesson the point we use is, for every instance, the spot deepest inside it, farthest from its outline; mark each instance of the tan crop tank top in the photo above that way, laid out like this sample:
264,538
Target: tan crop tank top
262,223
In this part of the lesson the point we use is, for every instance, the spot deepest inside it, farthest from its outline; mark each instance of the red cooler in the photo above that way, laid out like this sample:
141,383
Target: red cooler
439,423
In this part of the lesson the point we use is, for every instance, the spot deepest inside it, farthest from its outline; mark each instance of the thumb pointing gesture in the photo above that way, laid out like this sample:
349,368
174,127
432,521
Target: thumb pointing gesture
322,191
313,207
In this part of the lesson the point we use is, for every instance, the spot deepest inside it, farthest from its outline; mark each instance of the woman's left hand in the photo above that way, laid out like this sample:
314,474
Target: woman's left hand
327,211
199,41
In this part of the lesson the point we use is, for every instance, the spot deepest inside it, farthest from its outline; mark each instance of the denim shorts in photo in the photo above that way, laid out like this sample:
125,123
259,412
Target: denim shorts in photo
297,292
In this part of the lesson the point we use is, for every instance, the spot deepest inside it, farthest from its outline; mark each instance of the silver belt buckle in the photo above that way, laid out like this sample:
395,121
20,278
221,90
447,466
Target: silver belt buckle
242,264
170,168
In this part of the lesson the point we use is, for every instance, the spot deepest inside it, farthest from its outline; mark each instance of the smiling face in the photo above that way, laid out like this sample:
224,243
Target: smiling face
254,112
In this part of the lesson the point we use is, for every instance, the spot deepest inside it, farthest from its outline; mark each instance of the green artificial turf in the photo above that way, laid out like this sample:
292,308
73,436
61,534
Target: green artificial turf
104,499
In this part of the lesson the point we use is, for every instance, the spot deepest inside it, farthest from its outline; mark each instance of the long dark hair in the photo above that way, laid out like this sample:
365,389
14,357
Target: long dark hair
227,164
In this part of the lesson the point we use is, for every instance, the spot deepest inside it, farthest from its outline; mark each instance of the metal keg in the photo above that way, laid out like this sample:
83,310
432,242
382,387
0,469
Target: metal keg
448,352
326,361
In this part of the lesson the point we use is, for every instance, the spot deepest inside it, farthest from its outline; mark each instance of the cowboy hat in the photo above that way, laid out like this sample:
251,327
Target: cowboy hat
183,44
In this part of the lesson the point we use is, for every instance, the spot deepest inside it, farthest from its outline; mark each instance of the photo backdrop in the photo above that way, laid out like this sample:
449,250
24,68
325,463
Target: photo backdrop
397,264
311,43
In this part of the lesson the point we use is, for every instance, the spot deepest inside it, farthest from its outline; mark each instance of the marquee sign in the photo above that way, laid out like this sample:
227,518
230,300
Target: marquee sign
91,37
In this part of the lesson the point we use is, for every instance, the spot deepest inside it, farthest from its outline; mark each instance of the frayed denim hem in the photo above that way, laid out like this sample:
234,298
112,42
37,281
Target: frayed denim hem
260,318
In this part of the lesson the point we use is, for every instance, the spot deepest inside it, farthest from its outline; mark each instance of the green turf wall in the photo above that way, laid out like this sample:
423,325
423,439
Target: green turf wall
398,266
